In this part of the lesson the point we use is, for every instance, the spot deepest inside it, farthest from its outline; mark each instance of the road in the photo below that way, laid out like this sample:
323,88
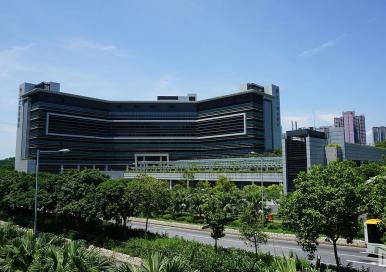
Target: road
349,255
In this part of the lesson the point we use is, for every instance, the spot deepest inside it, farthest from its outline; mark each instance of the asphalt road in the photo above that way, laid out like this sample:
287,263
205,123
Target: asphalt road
349,255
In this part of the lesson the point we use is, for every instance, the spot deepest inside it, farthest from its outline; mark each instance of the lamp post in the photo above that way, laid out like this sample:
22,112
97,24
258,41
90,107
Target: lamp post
262,189
38,152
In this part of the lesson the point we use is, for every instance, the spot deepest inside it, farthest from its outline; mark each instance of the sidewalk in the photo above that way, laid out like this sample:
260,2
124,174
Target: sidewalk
233,232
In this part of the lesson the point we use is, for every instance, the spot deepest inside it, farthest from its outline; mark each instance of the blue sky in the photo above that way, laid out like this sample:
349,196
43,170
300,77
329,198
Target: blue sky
327,56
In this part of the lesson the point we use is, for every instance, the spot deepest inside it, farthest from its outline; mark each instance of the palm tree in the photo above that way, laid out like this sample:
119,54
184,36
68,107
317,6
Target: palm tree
41,254
19,253
73,256
158,263
176,264
7,233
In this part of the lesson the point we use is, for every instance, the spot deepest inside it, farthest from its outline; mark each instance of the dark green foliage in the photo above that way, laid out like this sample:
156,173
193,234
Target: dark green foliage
370,170
179,199
228,196
16,190
115,201
8,163
75,194
198,197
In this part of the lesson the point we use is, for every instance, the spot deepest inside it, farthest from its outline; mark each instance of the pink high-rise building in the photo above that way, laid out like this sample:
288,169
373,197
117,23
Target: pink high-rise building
354,127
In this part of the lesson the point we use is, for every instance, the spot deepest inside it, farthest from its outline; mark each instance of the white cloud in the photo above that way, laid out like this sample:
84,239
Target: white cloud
87,44
11,60
321,47
369,137
325,117
303,121
307,119
7,128
84,44
165,84
8,140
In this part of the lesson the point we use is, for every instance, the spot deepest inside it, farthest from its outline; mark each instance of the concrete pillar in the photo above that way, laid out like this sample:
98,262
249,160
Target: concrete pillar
170,184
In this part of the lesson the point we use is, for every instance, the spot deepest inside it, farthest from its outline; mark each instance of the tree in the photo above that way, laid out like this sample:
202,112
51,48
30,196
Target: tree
158,263
19,253
115,201
8,163
179,199
215,219
251,224
198,197
254,194
43,253
370,170
274,193
19,193
375,202
188,176
257,197
381,144
229,197
75,194
73,256
152,194
326,202
223,184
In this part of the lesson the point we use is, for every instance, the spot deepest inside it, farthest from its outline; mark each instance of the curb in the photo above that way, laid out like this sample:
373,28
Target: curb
271,235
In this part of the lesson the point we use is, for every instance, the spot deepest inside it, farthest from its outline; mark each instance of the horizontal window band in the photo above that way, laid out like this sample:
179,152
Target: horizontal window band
145,120
231,121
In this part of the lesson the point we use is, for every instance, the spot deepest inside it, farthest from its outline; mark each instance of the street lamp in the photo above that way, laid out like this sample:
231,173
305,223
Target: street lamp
38,152
262,188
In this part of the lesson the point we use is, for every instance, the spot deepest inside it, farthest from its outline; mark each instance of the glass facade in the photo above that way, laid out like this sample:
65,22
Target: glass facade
107,135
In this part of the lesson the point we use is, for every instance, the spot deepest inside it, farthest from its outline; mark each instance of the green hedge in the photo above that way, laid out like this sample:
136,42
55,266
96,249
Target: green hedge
205,259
